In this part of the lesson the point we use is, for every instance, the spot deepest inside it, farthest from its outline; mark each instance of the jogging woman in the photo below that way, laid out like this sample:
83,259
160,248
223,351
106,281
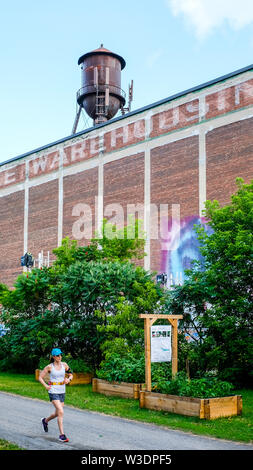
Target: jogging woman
56,389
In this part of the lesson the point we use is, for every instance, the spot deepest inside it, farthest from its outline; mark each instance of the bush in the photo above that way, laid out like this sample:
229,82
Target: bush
216,297
82,298
17,365
122,369
67,302
131,369
76,365
206,387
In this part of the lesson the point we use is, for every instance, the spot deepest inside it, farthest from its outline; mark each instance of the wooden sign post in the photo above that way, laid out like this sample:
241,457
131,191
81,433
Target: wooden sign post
149,319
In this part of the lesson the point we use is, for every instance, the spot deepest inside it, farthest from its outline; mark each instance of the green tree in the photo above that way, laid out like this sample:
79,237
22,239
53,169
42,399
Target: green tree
90,294
124,330
30,296
64,304
112,244
30,325
121,244
217,298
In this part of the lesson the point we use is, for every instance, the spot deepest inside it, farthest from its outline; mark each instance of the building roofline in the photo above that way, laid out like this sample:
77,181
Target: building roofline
132,113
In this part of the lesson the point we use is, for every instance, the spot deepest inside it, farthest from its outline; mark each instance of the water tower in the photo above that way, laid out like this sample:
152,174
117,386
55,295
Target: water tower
101,95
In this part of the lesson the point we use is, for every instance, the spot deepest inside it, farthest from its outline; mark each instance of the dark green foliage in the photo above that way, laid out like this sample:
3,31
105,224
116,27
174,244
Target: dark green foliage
112,245
121,244
31,295
124,332
205,387
131,369
82,297
70,304
217,297
76,365
127,369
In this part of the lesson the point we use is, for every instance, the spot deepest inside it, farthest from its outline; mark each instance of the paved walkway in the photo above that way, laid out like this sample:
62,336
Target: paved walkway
20,423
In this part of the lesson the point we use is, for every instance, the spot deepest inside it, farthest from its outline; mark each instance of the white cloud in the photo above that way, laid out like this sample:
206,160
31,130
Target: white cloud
153,57
206,15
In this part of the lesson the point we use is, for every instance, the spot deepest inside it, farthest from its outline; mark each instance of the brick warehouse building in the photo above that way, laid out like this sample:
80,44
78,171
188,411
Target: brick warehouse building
173,154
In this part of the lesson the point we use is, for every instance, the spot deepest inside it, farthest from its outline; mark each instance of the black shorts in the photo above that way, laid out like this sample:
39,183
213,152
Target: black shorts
57,396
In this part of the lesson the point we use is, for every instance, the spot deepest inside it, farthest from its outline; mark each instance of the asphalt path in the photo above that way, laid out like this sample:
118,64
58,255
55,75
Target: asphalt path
20,423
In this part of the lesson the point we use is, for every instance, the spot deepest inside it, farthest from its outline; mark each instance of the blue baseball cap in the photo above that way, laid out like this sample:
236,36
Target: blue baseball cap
56,352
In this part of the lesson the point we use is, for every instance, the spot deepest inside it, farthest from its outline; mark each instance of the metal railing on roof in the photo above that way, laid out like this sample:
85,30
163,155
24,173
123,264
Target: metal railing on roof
88,89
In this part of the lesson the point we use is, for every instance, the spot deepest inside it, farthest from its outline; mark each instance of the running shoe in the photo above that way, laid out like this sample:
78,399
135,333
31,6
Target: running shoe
63,438
44,424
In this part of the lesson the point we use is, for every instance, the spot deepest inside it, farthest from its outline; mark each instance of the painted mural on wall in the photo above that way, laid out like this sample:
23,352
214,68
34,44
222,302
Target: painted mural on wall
181,248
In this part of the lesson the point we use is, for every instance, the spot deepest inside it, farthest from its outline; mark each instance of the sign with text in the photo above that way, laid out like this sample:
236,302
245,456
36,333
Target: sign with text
160,343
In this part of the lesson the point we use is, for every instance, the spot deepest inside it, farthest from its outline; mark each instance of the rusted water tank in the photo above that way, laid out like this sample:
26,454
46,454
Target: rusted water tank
101,95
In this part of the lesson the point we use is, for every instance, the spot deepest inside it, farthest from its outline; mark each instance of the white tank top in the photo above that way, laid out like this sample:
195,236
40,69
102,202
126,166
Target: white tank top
57,376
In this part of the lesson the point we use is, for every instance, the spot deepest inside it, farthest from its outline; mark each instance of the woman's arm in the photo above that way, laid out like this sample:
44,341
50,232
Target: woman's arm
69,372
43,373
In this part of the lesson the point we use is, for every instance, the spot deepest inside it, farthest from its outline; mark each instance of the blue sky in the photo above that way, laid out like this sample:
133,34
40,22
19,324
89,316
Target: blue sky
169,46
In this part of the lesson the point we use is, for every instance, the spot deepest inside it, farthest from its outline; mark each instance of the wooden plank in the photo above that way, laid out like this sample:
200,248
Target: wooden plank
149,319
142,399
136,391
94,384
177,397
178,405
114,387
174,348
210,408
81,378
206,409
202,409
160,315
147,355
222,407
114,393
114,382
239,404
122,389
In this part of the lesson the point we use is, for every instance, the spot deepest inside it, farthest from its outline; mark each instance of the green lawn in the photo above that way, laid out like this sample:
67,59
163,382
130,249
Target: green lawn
238,428
5,445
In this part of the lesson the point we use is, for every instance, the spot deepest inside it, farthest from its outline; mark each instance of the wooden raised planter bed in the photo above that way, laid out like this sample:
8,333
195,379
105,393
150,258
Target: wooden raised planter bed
203,408
120,389
79,378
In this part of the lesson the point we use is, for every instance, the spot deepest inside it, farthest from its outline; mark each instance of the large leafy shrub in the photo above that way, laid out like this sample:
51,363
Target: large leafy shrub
129,368
205,387
217,297
87,303
126,369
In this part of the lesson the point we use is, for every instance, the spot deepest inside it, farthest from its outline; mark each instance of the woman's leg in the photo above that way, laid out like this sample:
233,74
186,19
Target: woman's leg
59,413
52,416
